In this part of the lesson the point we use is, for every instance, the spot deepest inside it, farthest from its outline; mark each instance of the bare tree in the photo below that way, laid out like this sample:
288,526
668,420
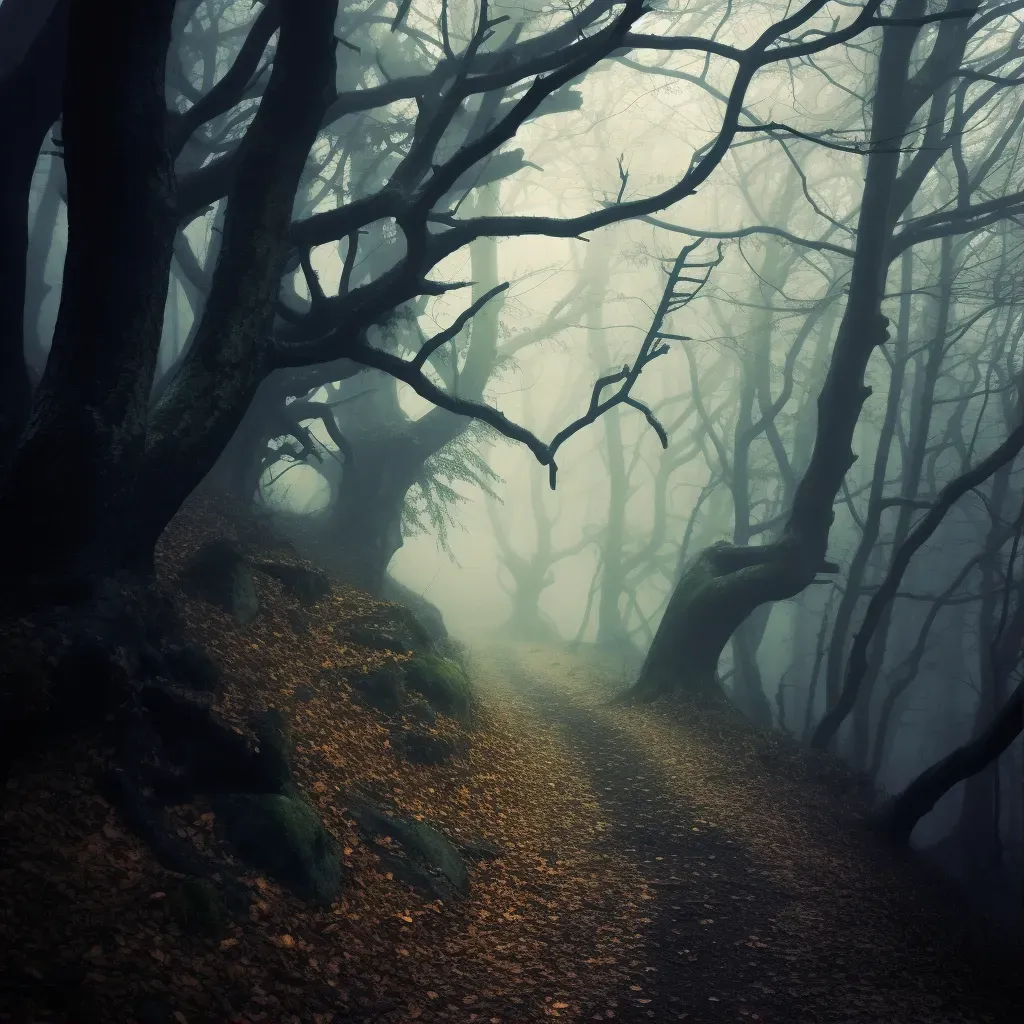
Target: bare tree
727,583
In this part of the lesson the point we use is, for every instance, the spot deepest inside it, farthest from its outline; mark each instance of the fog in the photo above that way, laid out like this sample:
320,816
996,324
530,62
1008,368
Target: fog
691,340
640,123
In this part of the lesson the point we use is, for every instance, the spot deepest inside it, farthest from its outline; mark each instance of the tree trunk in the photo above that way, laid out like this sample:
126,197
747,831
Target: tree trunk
857,666
203,405
873,519
711,600
71,483
748,685
717,591
364,526
30,102
906,810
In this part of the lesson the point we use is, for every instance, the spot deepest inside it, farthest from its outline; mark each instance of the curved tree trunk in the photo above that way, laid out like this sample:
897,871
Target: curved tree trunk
857,666
712,600
30,102
715,594
907,809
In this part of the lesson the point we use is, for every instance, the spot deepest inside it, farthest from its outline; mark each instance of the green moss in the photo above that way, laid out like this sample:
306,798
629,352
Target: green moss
284,837
443,682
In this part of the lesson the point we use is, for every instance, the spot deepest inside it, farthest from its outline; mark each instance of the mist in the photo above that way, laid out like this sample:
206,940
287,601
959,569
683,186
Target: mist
585,436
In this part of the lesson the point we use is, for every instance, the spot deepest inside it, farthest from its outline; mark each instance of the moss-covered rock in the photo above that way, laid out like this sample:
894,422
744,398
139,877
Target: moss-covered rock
283,837
419,712
443,682
431,863
273,735
383,689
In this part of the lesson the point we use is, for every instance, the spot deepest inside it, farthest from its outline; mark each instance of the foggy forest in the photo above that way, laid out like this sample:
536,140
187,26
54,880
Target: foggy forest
511,510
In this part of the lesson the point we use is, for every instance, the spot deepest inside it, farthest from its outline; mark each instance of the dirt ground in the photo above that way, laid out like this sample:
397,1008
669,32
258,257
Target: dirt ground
656,863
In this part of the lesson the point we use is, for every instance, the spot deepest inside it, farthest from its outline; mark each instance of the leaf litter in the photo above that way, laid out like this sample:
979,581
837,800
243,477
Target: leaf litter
87,914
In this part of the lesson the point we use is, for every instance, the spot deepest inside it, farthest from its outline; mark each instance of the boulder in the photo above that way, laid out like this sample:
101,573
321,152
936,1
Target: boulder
219,573
394,628
275,747
383,689
283,837
431,863
441,681
480,849
419,711
373,637
191,666
426,614
308,585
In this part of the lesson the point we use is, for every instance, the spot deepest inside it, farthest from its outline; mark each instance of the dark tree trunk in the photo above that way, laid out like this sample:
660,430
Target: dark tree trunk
203,405
388,454
705,610
857,666
855,575
907,809
713,599
70,488
365,521
748,685
30,102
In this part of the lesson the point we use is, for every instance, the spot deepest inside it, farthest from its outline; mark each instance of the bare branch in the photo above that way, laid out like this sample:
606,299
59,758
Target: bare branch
430,347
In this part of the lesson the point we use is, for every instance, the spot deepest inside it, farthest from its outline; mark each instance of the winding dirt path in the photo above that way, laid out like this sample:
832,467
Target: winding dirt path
769,899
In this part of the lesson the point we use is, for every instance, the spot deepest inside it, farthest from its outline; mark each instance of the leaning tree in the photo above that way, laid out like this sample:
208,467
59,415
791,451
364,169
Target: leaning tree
913,95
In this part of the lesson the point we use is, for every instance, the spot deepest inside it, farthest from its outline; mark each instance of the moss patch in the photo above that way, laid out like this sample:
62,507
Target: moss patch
443,682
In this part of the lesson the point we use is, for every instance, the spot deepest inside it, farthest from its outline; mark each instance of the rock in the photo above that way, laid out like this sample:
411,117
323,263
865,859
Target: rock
308,585
275,745
376,638
418,747
197,907
219,573
193,667
395,628
419,711
304,694
432,863
383,689
426,614
442,682
283,837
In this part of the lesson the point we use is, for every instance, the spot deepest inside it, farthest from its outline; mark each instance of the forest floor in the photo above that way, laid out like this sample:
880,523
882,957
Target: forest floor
769,897
657,863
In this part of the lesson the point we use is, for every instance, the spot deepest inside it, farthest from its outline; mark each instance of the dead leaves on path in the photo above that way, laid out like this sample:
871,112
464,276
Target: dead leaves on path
551,930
